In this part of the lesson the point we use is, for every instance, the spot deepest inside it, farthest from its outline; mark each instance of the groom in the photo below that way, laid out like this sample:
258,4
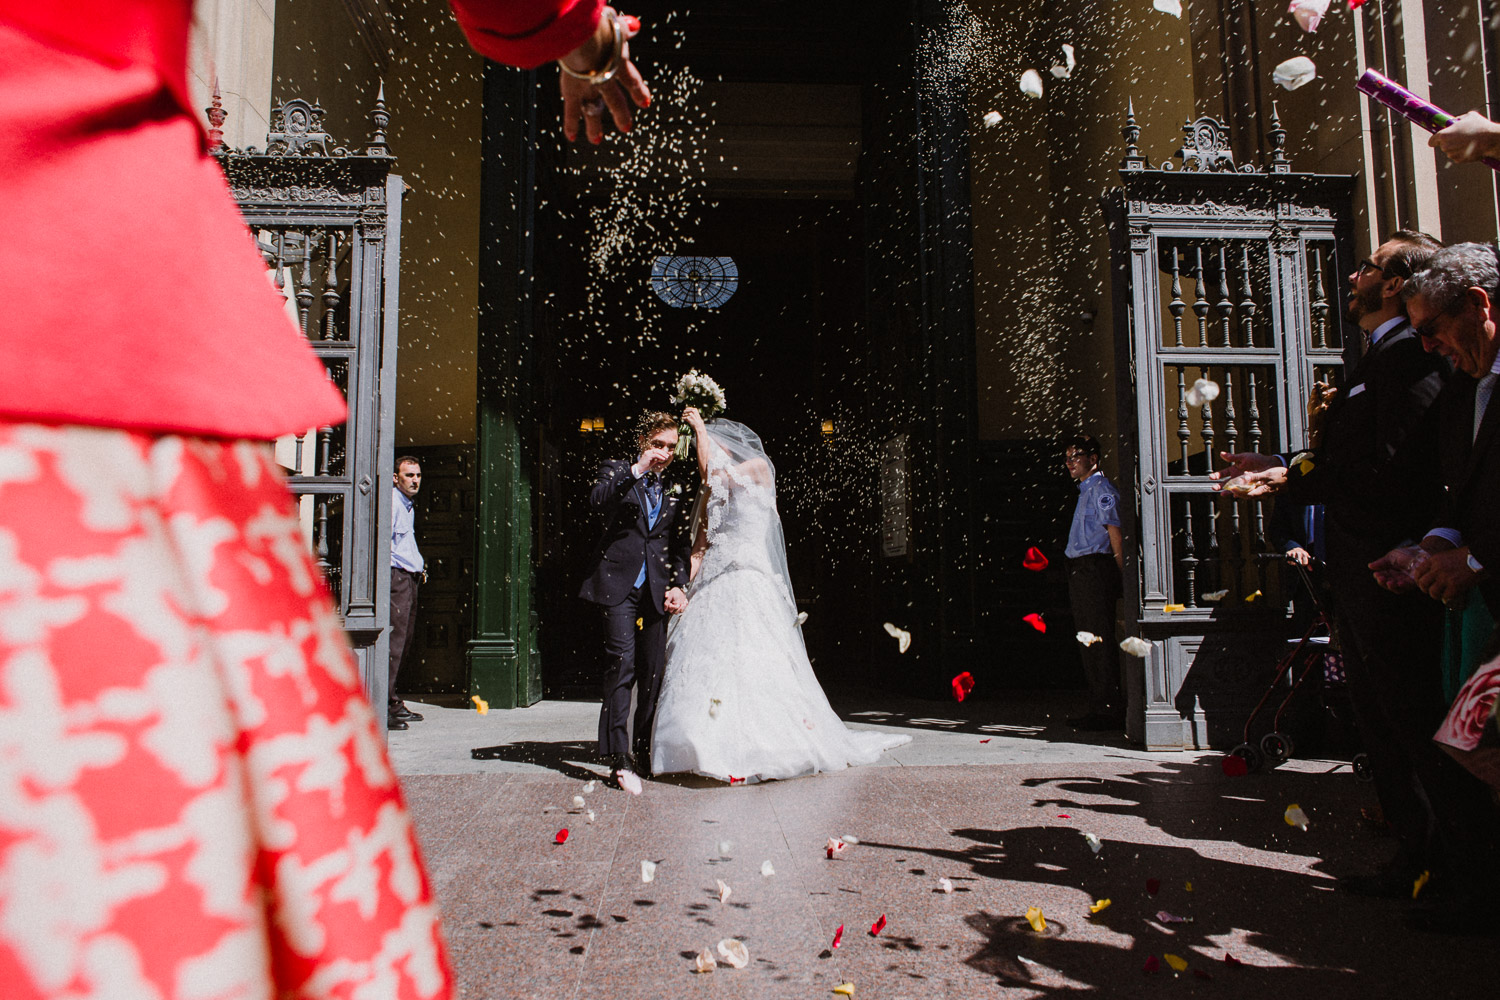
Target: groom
638,575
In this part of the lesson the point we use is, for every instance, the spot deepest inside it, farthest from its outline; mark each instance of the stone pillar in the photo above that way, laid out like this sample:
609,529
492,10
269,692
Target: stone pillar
233,41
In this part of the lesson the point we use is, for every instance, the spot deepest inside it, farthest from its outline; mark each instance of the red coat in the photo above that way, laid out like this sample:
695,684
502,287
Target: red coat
132,292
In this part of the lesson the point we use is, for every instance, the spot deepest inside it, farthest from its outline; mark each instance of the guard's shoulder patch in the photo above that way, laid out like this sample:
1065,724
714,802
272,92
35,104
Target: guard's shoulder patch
1105,500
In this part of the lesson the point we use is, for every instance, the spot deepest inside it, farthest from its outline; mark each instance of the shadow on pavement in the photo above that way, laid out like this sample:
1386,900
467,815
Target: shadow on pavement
566,757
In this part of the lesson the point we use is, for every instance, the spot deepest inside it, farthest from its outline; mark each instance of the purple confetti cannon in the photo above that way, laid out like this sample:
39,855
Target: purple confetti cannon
1422,113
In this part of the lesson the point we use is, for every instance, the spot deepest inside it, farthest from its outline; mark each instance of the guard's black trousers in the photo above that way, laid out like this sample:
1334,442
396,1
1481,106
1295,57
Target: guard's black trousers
404,587
1093,588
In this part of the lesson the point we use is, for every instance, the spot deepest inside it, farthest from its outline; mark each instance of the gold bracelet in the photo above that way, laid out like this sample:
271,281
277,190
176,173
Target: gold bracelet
616,54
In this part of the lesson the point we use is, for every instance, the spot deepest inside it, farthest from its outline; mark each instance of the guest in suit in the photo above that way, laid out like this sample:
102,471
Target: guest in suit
1375,472
638,575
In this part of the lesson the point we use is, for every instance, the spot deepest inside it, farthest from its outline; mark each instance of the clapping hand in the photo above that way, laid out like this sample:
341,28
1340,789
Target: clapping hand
1249,474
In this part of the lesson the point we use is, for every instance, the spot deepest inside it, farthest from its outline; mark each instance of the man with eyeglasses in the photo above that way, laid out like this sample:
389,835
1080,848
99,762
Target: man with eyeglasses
1095,561
1375,472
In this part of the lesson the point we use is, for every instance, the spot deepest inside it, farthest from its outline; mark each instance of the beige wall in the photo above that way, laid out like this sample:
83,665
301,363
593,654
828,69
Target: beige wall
232,42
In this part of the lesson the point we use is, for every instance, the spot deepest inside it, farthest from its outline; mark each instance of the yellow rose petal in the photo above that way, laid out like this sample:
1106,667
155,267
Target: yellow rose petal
1190,887
1177,962
1416,886
1035,919
1169,608
480,704
844,989
1099,905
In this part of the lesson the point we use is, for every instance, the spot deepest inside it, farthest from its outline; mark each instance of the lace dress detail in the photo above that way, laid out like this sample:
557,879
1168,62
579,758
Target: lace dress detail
740,699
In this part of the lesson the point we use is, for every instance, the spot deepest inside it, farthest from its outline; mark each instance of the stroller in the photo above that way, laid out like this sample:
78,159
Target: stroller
1312,652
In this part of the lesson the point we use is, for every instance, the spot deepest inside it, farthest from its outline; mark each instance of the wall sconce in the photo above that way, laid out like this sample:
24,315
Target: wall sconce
827,430
591,425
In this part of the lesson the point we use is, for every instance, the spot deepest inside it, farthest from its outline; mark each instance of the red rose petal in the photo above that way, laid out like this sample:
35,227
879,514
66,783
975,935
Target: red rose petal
838,936
1034,561
986,741
1153,964
1035,621
962,685
877,926
1152,885
1064,816
1234,766
562,836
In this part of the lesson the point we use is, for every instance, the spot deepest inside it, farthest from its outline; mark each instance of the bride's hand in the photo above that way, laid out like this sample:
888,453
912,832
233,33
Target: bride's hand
693,419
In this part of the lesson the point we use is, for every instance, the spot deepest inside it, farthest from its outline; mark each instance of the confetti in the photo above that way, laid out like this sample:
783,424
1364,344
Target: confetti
1177,962
1035,918
1136,646
946,885
630,781
562,836
1169,608
1234,766
991,119
962,685
1031,83
480,705
766,871
1213,596
902,637
1164,917
1088,638
834,847
844,989
1153,964
1153,885
877,926
724,890
1294,816
1095,844
1295,72
1035,621
1202,391
1034,560
1308,13
1064,69
1099,906
734,953
648,870
704,962
838,936
713,708
1421,880
1173,7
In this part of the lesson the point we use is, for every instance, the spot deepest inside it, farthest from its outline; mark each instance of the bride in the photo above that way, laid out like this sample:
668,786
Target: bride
739,699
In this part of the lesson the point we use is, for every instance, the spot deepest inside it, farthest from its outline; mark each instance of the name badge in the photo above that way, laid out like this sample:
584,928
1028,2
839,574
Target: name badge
1356,391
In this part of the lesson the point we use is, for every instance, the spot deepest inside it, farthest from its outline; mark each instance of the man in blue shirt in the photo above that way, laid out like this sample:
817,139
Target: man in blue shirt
408,572
1095,559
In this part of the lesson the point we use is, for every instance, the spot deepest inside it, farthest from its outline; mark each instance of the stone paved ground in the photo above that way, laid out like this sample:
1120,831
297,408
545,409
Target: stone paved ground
1003,820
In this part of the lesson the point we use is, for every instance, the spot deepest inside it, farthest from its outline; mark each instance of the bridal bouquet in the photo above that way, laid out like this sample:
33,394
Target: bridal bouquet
695,389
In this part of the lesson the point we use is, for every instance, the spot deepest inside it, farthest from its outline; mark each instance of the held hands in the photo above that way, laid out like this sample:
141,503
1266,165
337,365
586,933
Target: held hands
693,419
595,89
676,602
1249,474
1471,137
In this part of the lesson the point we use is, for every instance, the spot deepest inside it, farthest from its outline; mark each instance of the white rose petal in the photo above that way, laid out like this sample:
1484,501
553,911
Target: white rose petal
849,839
591,815
724,848
578,802
1136,646
588,788
799,620
724,890
1088,638
1202,391
766,870
630,781
1215,595
1065,69
945,884
1295,72
1031,83
704,962
735,954
991,119
902,637
648,871
1309,13
1095,844
1173,7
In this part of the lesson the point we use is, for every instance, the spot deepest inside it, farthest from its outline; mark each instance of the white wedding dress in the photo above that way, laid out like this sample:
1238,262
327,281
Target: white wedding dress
739,699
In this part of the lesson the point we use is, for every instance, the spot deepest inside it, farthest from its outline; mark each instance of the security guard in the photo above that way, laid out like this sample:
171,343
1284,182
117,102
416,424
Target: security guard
1095,560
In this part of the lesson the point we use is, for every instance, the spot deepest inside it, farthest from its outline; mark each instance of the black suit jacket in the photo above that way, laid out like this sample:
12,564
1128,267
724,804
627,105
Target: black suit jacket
628,540
1376,469
1471,477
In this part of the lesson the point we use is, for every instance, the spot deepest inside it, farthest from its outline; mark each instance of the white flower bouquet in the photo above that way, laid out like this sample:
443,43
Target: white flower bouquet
696,389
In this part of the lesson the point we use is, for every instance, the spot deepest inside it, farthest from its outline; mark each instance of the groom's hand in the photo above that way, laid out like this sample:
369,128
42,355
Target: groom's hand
652,460
675,602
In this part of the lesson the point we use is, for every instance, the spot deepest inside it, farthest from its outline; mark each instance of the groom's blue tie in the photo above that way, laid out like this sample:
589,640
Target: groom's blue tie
653,511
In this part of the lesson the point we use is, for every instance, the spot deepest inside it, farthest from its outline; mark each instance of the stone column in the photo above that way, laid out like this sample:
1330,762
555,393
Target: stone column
233,42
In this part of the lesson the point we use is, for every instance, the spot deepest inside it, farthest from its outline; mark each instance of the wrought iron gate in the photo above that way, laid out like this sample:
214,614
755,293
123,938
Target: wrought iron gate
1230,274
328,223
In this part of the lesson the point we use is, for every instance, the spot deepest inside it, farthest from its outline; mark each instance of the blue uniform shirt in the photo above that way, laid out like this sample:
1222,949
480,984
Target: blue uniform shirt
1098,507
404,554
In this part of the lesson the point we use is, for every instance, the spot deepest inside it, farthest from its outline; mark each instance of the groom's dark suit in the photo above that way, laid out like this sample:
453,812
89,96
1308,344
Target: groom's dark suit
632,541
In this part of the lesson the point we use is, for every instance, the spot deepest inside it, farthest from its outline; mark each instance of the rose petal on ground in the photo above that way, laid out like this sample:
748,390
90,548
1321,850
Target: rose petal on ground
1234,766
578,802
987,740
849,838
1295,72
834,847
1099,906
590,815
648,870
736,781
1035,918
1136,646
1308,13
1421,880
1095,844
1034,560
1031,83
1153,963
766,870
838,936
734,953
630,781
1087,638
724,848
844,989
480,705
1294,816
561,837
704,962
962,685
724,890
1169,608
1153,885
877,926
588,788
946,884
1177,962
1164,917
1064,815
1188,887
1173,7
1035,621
